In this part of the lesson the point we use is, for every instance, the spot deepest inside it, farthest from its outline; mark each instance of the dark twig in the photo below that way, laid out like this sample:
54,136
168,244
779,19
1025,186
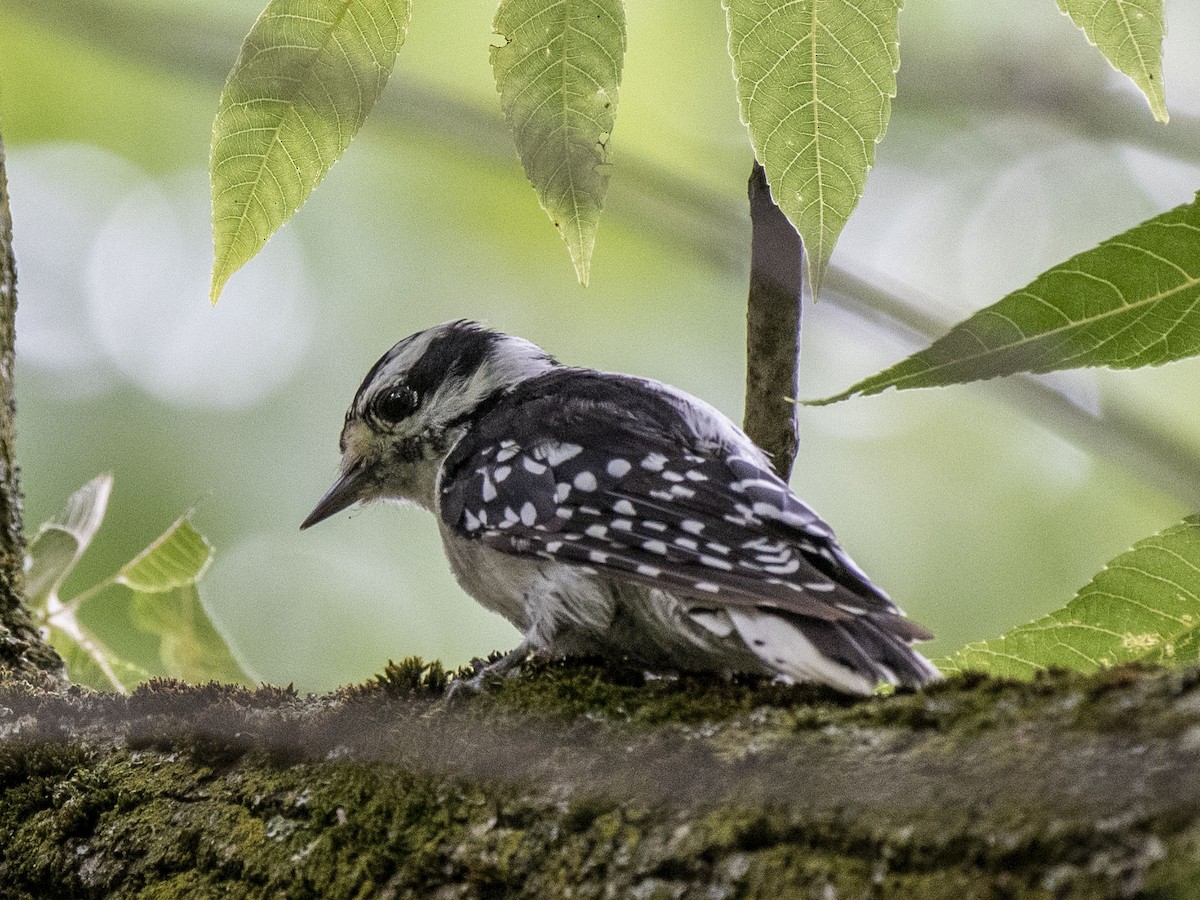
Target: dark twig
773,326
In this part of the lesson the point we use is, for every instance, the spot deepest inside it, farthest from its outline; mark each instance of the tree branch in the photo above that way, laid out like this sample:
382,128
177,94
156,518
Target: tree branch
773,311
573,781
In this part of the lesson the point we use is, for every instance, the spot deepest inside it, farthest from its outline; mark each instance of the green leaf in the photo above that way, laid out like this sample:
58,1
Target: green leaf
1132,301
558,73
176,559
1130,34
62,541
308,74
166,603
89,660
815,80
1144,605
191,648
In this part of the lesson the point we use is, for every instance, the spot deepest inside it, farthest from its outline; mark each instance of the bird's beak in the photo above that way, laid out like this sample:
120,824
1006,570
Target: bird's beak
346,491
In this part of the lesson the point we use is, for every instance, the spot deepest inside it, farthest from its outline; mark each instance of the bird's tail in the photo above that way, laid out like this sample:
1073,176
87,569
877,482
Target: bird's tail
853,654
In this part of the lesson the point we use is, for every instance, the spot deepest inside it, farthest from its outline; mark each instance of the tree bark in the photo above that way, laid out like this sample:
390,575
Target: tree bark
22,651
773,327
571,781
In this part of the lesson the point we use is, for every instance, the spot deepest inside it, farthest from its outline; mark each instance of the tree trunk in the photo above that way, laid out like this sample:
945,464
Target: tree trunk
568,781
22,652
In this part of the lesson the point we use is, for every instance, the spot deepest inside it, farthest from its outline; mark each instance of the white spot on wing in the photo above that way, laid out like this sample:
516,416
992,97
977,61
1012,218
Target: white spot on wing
501,473
654,462
692,526
649,570
596,531
528,514
557,454
532,466
585,481
655,547
617,468
625,508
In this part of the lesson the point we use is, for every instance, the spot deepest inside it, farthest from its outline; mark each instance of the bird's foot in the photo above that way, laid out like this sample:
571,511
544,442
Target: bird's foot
505,667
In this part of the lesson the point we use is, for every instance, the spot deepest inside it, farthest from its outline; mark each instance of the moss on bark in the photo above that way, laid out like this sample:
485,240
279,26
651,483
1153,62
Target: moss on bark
574,781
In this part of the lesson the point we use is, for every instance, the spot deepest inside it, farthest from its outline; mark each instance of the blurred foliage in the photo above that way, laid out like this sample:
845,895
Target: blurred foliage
976,508
166,604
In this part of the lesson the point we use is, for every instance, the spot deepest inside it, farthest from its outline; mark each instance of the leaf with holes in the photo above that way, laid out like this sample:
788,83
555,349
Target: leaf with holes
1144,605
815,81
1130,34
558,74
1132,301
308,74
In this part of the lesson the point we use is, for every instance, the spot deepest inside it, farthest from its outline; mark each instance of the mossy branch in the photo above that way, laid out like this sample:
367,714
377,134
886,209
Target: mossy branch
570,779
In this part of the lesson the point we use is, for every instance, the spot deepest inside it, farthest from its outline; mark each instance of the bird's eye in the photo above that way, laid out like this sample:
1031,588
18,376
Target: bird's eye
396,404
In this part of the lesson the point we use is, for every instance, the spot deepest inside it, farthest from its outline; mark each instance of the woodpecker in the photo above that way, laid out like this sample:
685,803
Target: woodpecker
605,514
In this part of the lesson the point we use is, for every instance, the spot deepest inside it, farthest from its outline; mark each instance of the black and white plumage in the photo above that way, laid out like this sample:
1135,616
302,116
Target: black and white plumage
603,513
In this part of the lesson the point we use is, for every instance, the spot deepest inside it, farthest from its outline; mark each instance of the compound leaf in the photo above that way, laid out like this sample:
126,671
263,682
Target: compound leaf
815,81
1144,605
1130,34
306,78
1132,301
558,75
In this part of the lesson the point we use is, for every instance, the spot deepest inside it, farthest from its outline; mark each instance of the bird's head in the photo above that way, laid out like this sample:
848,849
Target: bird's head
415,404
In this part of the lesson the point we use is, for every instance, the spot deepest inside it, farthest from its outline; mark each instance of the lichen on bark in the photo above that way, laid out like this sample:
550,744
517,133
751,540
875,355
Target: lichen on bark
572,780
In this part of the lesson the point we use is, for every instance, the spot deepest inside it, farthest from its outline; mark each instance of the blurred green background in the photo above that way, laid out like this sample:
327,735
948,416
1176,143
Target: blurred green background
1011,146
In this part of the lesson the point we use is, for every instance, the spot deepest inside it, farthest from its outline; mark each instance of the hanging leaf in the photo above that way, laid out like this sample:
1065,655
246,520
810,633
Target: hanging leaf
190,647
558,74
815,81
176,559
1144,605
1132,301
309,73
1130,34
61,542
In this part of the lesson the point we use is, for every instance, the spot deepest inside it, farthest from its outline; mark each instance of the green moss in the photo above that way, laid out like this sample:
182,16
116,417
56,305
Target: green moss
573,779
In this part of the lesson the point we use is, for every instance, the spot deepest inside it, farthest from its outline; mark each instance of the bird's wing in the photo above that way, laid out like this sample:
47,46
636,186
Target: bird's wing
620,485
